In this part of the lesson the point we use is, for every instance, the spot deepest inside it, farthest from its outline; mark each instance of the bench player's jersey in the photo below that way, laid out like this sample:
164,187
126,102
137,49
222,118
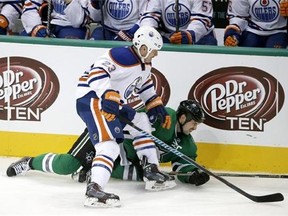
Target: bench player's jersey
258,16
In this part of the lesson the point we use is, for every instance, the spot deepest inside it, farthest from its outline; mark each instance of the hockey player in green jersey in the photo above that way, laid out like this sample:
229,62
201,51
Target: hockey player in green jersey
127,166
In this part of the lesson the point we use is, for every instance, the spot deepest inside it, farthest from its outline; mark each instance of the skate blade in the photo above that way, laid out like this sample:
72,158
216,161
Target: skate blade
154,186
93,202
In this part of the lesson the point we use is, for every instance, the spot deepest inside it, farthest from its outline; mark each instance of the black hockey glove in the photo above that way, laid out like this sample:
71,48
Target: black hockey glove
155,109
198,178
127,112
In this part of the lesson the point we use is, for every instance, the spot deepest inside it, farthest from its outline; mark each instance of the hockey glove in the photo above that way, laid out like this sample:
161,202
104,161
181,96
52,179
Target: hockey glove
198,178
284,8
128,113
97,4
39,31
182,37
3,25
156,109
110,104
232,35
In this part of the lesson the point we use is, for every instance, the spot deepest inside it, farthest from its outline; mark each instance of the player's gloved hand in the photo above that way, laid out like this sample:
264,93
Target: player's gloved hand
232,35
156,109
110,104
97,3
283,8
198,177
3,25
127,112
39,31
182,37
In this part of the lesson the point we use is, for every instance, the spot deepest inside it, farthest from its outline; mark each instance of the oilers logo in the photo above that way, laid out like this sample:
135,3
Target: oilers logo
184,15
265,10
59,6
132,89
119,9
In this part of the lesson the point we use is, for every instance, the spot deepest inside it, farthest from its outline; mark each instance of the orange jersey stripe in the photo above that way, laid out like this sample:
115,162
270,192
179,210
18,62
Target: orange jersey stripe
102,129
103,160
141,142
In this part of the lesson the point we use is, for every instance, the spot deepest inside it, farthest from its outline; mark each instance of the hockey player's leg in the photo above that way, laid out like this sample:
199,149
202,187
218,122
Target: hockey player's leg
154,179
102,166
62,164
146,151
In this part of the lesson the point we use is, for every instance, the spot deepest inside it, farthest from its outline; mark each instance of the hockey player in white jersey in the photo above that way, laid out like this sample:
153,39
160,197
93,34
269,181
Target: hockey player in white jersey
10,11
255,23
120,18
102,93
182,21
68,19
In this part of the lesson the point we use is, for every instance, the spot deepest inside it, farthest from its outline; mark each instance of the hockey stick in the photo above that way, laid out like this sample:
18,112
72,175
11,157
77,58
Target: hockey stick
177,14
266,198
233,175
102,19
49,18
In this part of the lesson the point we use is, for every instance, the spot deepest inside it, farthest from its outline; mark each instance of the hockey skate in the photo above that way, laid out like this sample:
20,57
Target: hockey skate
154,179
81,175
95,197
19,167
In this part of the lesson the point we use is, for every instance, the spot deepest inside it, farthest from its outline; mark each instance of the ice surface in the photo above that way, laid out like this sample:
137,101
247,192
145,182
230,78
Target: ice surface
39,193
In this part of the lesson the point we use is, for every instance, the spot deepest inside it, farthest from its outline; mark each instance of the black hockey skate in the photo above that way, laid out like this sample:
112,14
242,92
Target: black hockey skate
19,167
95,197
81,175
154,179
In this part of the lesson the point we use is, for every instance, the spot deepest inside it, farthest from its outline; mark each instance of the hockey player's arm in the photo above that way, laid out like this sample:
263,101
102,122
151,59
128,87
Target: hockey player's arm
152,15
31,19
188,147
199,24
79,7
237,14
154,104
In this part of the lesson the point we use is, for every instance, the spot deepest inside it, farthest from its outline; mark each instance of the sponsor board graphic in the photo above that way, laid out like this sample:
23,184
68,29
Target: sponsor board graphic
162,88
27,88
238,98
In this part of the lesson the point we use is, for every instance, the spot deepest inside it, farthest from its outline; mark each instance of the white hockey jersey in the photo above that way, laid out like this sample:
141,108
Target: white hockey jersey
12,10
119,69
258,16
119,15
194,15
74,14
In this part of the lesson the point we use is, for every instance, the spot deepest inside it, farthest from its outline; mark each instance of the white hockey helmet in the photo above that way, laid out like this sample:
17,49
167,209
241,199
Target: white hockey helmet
148,36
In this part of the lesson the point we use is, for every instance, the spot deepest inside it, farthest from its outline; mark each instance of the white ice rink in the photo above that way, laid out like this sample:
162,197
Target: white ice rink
39,194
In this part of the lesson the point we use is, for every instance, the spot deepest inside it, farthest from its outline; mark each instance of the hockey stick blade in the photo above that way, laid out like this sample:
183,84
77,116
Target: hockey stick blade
265,198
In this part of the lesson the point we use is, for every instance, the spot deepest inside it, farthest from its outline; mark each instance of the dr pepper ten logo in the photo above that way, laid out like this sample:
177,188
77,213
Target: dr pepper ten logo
27,88
238,98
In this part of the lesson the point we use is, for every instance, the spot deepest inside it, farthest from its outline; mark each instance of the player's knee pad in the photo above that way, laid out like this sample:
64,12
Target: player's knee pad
4,23
110,149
